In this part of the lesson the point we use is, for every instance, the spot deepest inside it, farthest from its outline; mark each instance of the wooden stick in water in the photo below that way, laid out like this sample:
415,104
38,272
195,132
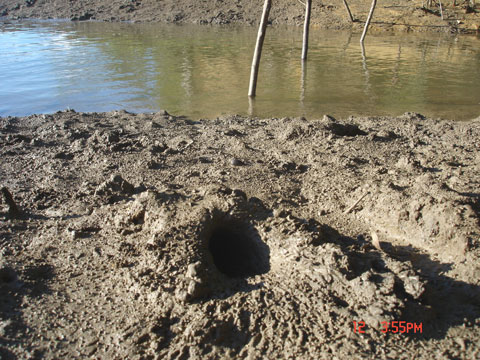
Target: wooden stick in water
258,48
367,24
306,28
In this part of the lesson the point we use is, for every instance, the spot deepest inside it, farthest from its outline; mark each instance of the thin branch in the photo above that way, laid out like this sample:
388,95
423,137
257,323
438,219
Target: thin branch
348,11
356,203
258,48
306,28
367,24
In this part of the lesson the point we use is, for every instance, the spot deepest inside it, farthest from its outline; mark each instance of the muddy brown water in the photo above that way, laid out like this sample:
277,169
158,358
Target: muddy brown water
203,71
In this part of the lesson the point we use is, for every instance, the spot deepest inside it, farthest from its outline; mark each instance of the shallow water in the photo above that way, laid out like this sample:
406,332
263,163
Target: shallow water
203,71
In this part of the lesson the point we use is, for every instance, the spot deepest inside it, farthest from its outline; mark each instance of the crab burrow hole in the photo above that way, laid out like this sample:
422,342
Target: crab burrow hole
238,251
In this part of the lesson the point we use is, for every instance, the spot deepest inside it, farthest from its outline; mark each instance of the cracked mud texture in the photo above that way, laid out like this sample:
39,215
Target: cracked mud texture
396,15
157,237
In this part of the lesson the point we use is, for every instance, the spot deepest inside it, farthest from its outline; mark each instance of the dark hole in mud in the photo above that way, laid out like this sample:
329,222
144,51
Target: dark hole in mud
340,302
7,275
238,251
139,218
345,129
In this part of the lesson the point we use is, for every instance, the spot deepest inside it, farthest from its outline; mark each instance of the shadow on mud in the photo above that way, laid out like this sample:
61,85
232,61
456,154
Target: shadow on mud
32,281
445,303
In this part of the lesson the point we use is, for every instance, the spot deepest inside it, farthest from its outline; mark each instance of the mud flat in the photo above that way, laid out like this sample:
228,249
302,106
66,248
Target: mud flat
153,236
396,15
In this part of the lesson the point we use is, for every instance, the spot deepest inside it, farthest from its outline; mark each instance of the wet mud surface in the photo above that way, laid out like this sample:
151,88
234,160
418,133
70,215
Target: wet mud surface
153,236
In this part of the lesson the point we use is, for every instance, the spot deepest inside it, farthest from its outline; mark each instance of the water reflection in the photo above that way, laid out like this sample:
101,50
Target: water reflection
303,84
365,69
202,71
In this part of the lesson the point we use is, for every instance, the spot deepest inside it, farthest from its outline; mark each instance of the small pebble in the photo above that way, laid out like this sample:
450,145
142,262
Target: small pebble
236,162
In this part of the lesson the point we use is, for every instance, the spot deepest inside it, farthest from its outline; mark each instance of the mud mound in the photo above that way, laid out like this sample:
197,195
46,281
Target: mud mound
143,239
230,272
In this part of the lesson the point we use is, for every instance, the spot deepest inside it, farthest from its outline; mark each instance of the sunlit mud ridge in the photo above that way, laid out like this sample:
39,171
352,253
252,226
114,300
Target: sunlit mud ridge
398,15
154,236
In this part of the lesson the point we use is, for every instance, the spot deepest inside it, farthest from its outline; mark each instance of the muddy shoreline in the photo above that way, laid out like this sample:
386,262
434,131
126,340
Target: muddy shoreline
398,15
155,236
152,236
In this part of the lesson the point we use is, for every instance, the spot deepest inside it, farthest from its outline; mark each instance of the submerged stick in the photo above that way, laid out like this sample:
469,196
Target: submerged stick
306,28
13,210
258,48
303,83
367,24
365,69
251,106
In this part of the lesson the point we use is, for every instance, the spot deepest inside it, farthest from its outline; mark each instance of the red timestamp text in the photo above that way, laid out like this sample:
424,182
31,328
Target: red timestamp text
401,327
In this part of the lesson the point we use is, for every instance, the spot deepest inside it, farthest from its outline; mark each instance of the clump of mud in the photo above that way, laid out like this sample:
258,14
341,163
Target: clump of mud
138,236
